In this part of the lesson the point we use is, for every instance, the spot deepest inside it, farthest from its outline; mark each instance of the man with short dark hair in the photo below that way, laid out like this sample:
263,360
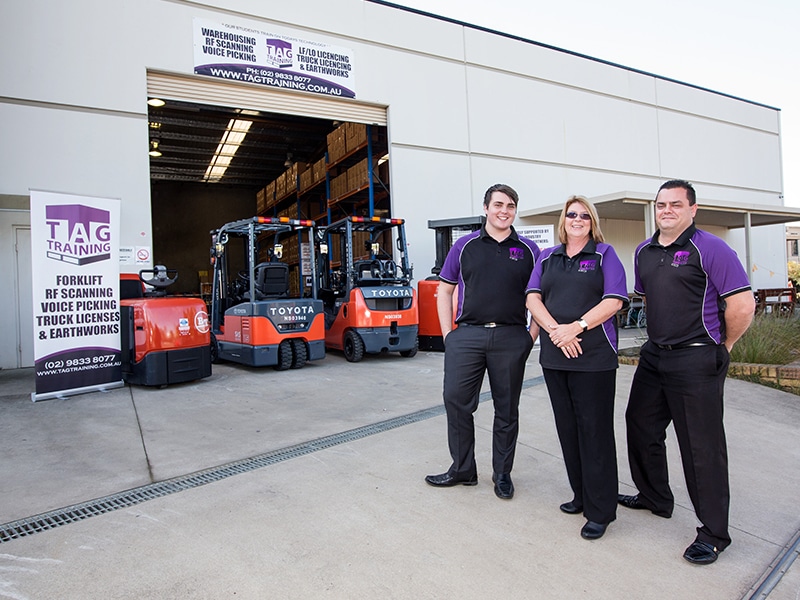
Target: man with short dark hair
698,303
491,268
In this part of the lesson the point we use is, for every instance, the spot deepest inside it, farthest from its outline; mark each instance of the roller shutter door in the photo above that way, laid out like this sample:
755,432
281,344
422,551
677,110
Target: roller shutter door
208,90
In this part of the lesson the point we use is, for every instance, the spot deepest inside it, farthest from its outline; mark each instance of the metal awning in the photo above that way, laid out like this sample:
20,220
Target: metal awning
635,206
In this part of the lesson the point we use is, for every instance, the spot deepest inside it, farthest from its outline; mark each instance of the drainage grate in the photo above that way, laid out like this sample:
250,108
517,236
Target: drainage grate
84,510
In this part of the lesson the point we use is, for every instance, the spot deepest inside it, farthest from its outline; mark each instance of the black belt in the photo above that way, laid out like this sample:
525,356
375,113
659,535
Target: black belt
679,346
487,325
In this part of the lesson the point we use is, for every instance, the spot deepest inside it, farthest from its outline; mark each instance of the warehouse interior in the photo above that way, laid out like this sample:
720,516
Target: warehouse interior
210,165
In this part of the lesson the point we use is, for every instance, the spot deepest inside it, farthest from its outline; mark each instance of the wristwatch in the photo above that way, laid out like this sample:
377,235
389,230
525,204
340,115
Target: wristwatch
584,325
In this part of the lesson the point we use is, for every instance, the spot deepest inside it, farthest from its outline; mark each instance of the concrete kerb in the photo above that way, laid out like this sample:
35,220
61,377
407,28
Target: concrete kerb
786,377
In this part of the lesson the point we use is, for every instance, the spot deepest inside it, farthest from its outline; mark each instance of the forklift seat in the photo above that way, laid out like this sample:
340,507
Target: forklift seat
368,271
272,280
328,297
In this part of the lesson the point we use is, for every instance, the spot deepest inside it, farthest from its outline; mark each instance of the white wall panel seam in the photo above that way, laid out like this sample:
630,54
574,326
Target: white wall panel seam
72,107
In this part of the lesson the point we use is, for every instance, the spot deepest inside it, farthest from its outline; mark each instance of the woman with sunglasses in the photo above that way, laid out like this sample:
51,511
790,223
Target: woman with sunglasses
574,293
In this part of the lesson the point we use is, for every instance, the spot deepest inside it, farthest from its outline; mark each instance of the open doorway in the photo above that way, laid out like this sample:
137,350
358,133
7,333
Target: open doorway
274,165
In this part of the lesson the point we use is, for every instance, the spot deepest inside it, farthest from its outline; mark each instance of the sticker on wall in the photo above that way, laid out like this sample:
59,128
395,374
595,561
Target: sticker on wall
543,235
126,255
142,255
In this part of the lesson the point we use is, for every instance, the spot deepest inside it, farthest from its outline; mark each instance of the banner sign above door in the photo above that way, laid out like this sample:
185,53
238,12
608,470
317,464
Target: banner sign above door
273,57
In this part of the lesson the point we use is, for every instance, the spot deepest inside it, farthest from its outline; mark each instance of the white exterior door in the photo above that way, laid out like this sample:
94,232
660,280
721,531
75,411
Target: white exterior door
22,251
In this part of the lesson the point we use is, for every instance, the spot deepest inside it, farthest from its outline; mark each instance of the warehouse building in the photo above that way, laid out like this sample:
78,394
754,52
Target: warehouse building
196,113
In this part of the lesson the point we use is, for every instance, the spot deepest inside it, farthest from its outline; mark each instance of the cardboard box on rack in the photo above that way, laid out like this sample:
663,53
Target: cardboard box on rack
269,192
306,178
338,187
337,145
318,169
358,175
355,136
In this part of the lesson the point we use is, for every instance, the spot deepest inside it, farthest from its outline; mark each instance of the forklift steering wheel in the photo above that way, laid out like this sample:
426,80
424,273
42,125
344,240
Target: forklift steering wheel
162,277
375,269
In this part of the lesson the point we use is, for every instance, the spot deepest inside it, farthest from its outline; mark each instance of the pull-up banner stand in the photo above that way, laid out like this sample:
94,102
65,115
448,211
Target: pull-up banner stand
76,327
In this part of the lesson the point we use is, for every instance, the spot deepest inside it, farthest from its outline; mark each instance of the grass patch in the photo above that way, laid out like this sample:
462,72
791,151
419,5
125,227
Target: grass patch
771,340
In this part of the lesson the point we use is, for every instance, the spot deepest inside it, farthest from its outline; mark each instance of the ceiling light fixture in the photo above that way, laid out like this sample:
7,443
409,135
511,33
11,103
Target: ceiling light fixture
288,162
154,151
232,137
156,102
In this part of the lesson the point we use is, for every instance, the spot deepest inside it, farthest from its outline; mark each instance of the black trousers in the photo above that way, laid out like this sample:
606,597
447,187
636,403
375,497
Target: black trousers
470,352
684,386
583,406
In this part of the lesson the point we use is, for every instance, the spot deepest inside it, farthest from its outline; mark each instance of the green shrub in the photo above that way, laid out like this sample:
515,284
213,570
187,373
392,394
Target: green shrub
771,340
794,273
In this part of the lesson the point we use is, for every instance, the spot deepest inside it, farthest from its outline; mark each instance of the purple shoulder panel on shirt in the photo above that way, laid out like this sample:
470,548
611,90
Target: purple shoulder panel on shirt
532,245
451,269
721,264
637,282
535,282
614,282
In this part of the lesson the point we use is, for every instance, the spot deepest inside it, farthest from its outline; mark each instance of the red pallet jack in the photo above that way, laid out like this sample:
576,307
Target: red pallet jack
165,339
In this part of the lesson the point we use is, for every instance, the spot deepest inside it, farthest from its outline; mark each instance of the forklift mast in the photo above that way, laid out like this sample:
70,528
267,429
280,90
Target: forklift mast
250,230
357,263
447,231
365,285
262,312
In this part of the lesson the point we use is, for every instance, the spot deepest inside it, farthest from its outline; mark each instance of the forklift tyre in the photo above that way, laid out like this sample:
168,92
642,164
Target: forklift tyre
285,355
412,351
353,346
214,349
299,354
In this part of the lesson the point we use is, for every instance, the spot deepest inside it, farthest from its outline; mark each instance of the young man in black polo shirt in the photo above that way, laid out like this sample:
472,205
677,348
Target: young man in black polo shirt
491,268
698,303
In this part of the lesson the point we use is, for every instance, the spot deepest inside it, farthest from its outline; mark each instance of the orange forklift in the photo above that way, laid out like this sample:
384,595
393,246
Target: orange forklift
257,319
447,232
370,305
165,339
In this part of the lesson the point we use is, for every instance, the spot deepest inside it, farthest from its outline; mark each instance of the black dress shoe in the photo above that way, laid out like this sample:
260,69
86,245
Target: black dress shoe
448,480
701,553
636,504
631,502
503,486
593,531
571,508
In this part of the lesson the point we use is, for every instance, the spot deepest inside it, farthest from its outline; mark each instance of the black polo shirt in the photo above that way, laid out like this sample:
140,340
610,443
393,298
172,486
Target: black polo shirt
570,287
491,277
685,284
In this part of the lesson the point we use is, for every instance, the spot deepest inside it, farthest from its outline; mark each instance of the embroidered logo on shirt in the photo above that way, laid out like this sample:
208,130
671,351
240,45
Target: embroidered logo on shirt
516,253
681,258
587,265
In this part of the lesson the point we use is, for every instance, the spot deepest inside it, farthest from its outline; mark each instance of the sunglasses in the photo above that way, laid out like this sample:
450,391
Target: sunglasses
583,216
